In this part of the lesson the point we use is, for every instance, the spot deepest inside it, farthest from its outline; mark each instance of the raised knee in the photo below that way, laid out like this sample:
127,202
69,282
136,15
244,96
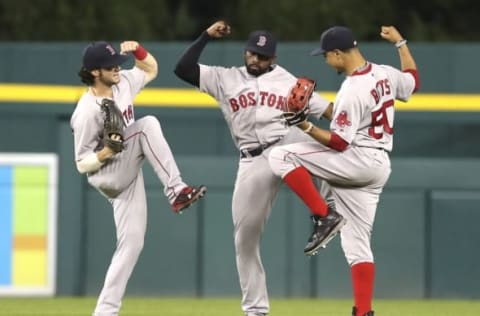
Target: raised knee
276,153
150,124
276,160
151,120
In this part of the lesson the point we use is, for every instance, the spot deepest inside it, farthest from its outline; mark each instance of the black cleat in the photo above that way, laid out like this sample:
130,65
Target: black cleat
354,312
187,197
324,229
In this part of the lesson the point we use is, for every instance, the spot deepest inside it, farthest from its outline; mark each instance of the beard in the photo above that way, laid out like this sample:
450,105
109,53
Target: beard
255,70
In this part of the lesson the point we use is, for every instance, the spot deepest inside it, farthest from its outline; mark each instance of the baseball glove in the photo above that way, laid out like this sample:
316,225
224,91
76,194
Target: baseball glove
112,125
297,107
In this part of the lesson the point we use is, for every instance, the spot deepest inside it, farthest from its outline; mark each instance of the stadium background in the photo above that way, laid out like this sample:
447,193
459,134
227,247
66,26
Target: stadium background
425,235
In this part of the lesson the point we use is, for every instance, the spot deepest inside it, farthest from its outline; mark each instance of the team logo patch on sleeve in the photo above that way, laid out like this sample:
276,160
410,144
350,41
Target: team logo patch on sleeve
342,120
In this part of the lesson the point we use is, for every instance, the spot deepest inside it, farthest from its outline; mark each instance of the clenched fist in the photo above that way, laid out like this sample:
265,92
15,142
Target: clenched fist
391,34
218,29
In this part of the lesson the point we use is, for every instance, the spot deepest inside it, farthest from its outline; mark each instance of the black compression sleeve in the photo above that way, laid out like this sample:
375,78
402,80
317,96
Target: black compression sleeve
187,67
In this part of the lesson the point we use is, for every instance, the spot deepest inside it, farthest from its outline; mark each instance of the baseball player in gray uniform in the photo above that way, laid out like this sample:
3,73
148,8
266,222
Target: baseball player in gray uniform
353,156
118,176
252,99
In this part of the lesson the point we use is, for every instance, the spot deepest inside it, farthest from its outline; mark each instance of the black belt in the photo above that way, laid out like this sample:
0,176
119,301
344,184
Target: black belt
379,148
249,153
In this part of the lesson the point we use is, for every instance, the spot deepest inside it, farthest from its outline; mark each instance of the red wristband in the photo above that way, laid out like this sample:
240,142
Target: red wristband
337,143
140,53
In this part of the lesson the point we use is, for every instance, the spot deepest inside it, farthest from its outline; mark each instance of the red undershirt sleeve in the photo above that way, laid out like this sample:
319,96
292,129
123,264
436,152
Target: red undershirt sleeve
414,73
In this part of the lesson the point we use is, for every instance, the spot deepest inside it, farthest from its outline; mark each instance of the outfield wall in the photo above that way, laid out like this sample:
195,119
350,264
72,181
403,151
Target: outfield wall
427,220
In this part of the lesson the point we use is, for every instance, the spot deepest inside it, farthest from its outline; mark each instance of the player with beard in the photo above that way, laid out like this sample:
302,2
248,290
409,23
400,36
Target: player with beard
252,99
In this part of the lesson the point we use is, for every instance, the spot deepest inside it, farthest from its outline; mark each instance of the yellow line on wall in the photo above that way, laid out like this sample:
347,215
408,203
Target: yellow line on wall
159,97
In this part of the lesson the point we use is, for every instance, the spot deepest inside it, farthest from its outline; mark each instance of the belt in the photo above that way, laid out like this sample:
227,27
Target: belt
250,153
378,148
381,148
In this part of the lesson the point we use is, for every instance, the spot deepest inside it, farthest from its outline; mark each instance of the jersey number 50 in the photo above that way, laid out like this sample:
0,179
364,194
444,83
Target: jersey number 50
380,118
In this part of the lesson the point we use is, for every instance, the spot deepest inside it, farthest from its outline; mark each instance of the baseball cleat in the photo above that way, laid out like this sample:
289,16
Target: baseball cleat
187,197
354,312
324,230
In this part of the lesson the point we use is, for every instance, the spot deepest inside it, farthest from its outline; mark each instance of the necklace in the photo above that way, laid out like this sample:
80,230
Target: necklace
361,68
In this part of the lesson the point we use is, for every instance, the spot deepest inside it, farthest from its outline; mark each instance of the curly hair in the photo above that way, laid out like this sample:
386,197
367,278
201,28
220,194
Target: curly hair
86,77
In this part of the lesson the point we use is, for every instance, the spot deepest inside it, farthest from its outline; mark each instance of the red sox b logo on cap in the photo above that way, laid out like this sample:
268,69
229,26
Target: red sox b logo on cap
342,120
262,40
110,49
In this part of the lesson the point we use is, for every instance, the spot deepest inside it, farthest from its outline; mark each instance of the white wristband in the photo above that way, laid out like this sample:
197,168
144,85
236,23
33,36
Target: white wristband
400,43
89,164
309,128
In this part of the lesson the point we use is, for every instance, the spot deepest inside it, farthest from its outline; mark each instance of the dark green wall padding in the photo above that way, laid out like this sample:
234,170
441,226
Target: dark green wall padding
426,221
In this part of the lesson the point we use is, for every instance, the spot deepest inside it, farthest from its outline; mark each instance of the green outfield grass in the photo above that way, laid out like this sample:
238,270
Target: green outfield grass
227,307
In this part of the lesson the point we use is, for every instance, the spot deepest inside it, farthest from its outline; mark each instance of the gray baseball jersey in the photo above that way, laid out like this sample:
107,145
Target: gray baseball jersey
87,120
363,115
253,107
364,106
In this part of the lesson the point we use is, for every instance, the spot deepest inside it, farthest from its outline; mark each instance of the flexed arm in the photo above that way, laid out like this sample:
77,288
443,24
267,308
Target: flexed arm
143,59
407,62
187,67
